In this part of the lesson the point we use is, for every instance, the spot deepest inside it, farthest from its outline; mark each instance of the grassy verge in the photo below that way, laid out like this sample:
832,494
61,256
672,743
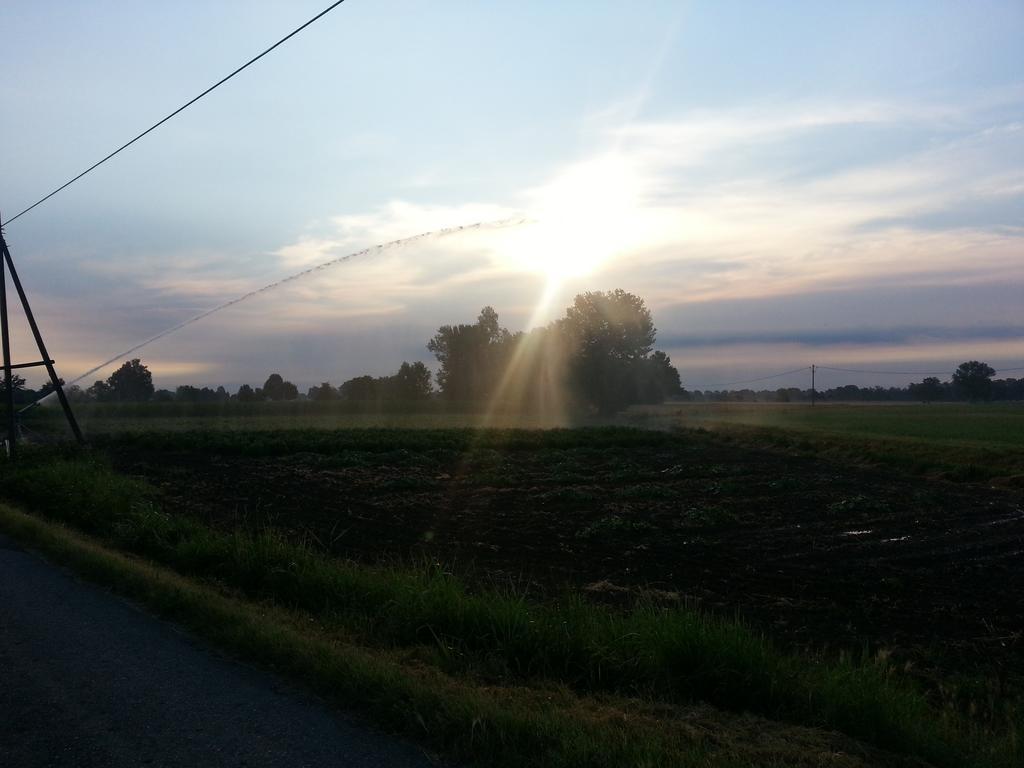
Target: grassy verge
500,726
665,655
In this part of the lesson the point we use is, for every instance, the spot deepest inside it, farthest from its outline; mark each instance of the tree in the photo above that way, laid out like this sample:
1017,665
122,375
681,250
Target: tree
17,384
323,393
132,382
22,394
276,388
186,393
360,389
75,394
663,378
412,382
973,380
246,394
928,390
46,389
472,357
608,333
615,324
100,392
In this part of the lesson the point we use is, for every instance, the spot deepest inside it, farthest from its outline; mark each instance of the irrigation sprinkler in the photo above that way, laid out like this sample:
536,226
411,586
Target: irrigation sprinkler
7,264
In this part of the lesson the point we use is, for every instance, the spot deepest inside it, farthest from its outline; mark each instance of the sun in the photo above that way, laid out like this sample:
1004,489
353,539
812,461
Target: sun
578,222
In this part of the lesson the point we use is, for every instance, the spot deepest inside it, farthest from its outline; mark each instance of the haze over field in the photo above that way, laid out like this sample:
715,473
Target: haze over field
781,184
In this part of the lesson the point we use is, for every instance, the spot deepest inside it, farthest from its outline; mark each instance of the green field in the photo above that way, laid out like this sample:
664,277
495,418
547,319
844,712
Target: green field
953,424
986,424
955,441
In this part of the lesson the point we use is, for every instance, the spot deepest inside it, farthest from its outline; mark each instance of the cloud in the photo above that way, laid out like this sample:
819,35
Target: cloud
709,209
671,193
833,337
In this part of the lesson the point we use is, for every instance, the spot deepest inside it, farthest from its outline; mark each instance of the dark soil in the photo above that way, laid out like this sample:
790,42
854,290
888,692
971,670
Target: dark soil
818,554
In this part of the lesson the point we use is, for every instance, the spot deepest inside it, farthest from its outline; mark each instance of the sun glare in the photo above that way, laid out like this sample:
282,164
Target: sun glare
580,221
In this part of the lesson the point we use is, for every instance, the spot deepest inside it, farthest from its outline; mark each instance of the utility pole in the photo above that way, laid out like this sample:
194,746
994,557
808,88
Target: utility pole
813,391
7,263
12,417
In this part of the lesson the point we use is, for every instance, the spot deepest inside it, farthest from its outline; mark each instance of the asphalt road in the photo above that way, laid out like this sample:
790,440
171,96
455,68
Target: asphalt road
87,679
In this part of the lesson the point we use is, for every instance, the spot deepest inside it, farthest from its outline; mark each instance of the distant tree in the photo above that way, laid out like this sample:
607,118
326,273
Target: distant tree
845,393
246,394
186,393
163,396
45,389
928,390
76,394
100,392
323,393
782,395
412,382
1008,389
273,387
360,389
973,380
608,334
22,394
132,382
276,388
189,394
472,357
17,384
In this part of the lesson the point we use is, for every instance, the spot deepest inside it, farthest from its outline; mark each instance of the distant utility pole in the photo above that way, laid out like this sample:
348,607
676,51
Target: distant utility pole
7,263
813,391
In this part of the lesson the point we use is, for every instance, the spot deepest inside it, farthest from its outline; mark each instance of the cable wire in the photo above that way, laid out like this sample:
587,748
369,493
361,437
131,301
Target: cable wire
903,373
180,109
880,373
750,381
831,368
400,242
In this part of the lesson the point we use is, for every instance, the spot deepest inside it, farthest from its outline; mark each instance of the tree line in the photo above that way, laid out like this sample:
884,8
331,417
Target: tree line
599,356
971,381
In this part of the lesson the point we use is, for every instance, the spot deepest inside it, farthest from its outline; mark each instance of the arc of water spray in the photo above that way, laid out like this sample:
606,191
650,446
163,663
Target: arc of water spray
402,241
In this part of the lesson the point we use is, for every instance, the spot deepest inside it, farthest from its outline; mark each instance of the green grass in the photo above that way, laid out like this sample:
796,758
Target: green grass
667,655
961,442
949,423
515,727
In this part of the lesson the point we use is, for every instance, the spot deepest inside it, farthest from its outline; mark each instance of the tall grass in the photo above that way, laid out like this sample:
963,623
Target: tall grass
512,727
674,655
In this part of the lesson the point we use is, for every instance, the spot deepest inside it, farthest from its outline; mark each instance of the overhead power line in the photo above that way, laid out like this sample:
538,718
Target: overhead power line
904,373
751,381
881,373
179,110
831,368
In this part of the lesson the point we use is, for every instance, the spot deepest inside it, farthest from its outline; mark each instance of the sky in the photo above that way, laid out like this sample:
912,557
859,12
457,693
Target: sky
783,183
